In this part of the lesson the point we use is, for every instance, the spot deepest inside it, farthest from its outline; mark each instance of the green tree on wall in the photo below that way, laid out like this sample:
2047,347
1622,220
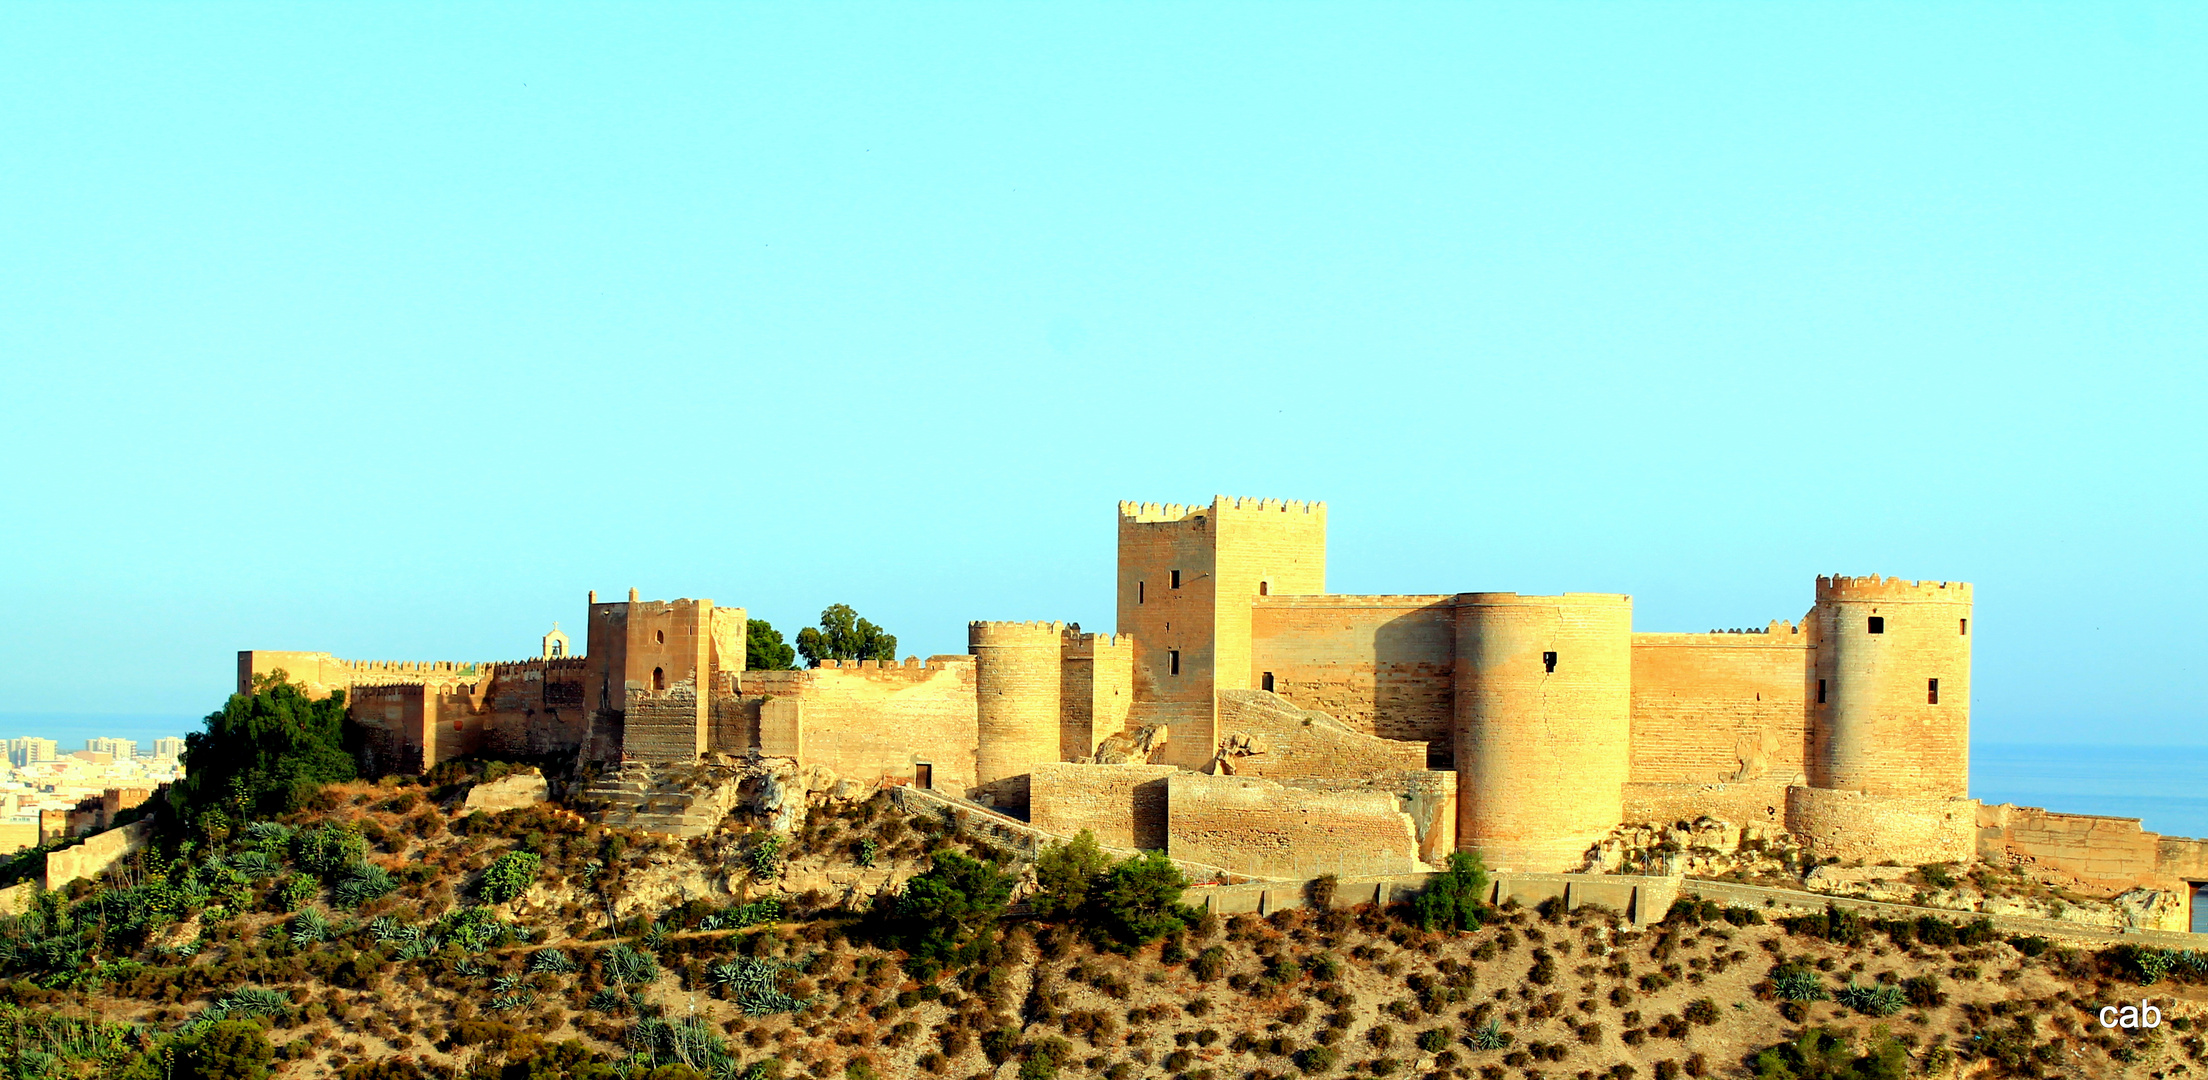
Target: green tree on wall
845,636
263,753
764,649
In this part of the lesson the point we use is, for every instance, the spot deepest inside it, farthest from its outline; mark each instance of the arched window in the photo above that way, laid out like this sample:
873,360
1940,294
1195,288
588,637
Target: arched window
1264,588
659,678
559,648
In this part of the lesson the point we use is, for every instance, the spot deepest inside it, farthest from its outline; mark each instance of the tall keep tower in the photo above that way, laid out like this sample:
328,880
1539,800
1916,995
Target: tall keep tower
1891,704
1187,578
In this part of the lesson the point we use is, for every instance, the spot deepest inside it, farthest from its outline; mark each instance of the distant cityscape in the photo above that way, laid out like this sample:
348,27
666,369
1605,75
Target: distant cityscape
47,793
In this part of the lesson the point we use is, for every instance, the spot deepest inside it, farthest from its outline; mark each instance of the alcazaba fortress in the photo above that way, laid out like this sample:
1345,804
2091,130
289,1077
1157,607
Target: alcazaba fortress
1244,718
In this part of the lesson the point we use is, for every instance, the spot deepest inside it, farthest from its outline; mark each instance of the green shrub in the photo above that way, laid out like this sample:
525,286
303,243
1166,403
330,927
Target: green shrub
1452,898
508,876
1821,1055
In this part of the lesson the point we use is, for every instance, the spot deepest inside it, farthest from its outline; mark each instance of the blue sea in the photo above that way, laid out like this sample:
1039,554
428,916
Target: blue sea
2166,787
72,729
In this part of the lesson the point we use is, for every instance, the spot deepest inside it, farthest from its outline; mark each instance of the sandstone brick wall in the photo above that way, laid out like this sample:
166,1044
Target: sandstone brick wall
1192,734
1263,828
323,674
1862,827
1096,686
1711,707
1379,664
1291,742
664,726
532,707
391,721
1543,754
868,722
98,852
1761,803
2110,853
1124,805
1877,730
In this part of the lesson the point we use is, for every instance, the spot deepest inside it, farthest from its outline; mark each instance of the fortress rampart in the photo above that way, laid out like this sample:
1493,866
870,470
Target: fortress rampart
1242,716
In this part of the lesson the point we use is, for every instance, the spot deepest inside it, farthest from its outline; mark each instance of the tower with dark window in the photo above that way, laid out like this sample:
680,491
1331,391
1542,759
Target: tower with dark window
1891,713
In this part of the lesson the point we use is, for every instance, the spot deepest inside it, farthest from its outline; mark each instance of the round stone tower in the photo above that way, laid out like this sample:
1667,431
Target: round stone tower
1891,705
1016,683
1543,725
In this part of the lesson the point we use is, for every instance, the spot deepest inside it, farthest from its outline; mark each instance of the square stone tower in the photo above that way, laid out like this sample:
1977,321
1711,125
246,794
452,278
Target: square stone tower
651,669
1187,578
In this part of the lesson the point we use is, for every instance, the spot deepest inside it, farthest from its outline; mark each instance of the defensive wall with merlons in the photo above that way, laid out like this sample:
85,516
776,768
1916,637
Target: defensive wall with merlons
1241,713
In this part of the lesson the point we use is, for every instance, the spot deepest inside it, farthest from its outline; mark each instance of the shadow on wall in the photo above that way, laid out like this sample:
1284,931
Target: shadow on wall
1412,675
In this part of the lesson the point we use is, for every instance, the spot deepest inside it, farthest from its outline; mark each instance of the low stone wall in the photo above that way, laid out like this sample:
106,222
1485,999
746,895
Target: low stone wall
1782,900
2109,853
1759,803
16,899
1124,805
1857,827
98,852
1269,830
1642,900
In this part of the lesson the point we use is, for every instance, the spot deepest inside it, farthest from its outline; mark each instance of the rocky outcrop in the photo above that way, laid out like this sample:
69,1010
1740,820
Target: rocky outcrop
516,792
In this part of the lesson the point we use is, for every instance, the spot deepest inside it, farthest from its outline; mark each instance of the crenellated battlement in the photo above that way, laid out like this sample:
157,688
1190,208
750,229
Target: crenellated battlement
1146,512
1874,587
1156,512
991,634
1088,644
912,671
1272,506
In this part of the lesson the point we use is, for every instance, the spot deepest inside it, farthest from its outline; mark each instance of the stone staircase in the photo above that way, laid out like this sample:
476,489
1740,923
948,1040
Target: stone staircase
677,800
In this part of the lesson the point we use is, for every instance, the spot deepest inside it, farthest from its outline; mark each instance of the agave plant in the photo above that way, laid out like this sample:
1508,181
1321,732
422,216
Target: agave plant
386,930
754,985
309,926
510,1002
1491,1037
1873,999
552,960
362,882
624,964
607,1000
1798,984
255,864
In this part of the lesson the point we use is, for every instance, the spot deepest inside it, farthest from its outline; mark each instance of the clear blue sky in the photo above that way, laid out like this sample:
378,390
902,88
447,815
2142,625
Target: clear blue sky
391,329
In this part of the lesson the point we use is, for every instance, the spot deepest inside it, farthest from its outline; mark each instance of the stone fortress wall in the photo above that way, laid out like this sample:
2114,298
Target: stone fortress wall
1241,716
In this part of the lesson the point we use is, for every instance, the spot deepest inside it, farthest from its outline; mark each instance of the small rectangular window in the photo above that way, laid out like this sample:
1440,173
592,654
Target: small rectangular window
1176,579
1265,682
1878,624
1173,661
1932,691
1965,631
1138,592
1548,662
1820,691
